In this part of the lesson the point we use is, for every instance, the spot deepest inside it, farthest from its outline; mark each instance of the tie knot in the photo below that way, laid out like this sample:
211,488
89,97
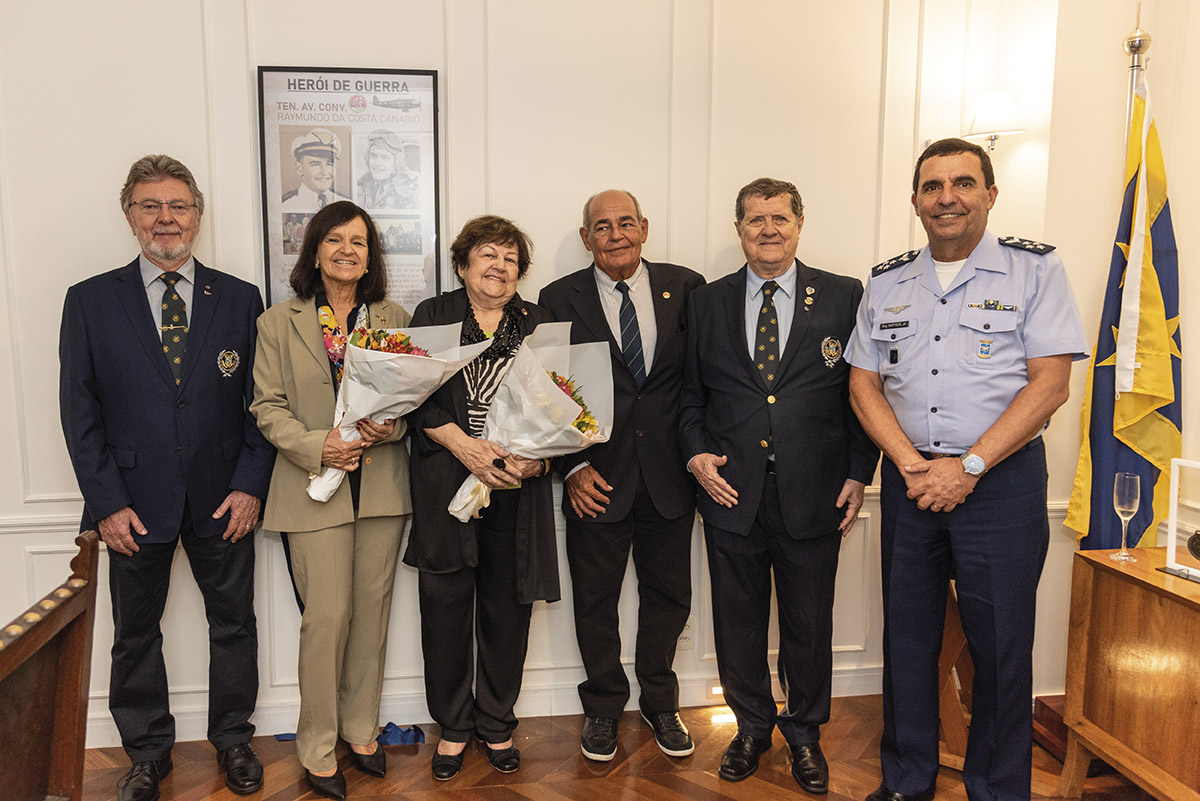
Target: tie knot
170,279
769,288
623,287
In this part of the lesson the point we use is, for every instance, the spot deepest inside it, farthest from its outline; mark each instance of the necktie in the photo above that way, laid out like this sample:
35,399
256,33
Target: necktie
766,341
631,337
321,200
174,325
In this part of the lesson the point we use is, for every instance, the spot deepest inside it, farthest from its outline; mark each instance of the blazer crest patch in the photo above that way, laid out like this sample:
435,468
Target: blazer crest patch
227,362
898,261
831,350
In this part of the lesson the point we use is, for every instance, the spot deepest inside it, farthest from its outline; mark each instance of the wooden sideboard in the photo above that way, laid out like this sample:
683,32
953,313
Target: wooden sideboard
1133,674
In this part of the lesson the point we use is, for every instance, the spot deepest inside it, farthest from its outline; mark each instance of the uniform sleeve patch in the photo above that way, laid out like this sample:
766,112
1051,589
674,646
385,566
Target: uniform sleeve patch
1026,244
898,261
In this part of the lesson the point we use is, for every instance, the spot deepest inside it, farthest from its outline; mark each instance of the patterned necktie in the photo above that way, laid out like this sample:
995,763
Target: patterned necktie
631,337
766,341
174,325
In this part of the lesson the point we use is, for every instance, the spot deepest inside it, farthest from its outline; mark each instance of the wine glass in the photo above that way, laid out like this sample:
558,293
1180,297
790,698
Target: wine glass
1126,495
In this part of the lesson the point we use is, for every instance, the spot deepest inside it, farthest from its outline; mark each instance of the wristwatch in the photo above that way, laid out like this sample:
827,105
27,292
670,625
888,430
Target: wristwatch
973,464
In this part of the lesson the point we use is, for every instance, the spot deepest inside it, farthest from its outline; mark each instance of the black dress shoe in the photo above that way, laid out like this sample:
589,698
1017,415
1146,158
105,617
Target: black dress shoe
599,740
371,764
141,782
809,768
740,759
669,732
328,786
504,760
884,794
446,766
243,769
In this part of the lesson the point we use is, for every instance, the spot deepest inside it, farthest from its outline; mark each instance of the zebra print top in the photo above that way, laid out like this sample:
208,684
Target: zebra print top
484,374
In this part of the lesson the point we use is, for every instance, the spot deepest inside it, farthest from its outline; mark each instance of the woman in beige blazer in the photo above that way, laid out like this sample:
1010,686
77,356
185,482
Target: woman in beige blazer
342,552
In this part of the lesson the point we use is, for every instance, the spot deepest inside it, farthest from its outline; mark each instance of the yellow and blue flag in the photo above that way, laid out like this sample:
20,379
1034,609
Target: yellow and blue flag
1132,409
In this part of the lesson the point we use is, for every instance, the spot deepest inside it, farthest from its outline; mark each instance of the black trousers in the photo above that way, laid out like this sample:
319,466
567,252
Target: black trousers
138,696
598,554
472,690
741,568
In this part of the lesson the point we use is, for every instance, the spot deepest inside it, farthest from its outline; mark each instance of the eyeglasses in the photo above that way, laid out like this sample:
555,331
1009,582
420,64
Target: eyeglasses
149,208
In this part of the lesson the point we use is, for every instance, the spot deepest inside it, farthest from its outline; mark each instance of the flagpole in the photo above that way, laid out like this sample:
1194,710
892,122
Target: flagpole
1137,44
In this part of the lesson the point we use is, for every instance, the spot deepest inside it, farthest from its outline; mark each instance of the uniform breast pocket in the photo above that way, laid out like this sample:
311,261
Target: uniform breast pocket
989,339
894,342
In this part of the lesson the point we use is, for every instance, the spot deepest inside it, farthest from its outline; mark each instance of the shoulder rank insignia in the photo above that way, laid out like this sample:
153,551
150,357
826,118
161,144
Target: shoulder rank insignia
290,195
1026,244
902,259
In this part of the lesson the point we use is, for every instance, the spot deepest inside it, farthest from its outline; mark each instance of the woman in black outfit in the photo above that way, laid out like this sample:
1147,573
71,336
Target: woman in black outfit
480,577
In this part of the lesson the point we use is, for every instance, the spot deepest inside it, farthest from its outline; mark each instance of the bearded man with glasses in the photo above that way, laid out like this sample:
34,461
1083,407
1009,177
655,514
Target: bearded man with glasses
155,386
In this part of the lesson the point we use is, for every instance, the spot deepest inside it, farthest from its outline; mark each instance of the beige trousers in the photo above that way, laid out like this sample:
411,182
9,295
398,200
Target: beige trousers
344,576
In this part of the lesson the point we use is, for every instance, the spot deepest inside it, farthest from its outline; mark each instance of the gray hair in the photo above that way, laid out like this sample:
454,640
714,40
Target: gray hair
587,207
768,188
150,169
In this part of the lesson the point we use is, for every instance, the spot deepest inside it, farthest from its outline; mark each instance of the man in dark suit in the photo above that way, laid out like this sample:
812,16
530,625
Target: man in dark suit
766,427
155,385
631,491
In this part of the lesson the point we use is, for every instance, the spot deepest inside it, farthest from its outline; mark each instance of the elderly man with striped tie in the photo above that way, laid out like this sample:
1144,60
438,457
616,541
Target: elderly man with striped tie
631,492
768,432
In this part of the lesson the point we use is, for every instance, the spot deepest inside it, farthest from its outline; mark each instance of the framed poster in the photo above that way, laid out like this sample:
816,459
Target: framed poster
364,135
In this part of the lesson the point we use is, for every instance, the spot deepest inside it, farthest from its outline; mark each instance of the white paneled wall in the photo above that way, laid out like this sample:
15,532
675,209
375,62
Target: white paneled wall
543,103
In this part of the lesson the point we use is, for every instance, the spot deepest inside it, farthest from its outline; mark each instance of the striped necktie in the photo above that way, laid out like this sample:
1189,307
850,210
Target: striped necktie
174,325
631,337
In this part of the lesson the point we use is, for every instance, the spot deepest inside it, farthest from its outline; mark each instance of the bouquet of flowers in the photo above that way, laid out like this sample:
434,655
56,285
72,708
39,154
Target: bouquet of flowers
539,410
385,375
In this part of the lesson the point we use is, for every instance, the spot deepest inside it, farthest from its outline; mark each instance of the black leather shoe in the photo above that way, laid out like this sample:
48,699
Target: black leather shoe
243,769
371,764
599,740
670,733
884,794
446,766
328,786
809,768
740,759
141,782
504,760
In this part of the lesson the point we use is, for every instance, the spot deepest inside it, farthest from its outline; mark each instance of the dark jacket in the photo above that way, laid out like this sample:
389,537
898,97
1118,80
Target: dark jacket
645,434
438,542
135,438
727,408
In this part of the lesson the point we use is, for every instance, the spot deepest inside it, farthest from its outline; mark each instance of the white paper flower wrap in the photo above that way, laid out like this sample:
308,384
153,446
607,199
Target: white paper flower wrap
383,386
532,417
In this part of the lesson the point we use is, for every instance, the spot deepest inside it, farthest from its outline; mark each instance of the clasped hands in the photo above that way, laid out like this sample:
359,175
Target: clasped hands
343,455
938,485
494,466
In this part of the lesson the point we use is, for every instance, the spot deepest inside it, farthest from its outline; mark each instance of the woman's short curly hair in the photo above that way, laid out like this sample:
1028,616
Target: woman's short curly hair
490,229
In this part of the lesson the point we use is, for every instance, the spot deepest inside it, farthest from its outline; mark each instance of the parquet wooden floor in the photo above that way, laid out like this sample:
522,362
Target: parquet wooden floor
553,769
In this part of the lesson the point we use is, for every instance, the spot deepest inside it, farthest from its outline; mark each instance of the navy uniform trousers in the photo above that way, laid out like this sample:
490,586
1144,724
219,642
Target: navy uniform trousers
996,543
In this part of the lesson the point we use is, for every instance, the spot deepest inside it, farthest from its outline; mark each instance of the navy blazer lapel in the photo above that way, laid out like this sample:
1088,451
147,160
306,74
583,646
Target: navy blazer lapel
808,286
206,294
667,296
147,330
586,301
735,308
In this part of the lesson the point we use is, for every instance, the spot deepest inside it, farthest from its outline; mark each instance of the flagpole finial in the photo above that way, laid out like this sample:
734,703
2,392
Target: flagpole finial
1137,42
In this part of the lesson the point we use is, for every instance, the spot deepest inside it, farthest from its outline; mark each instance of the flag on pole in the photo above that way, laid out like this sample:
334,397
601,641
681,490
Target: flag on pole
1132,409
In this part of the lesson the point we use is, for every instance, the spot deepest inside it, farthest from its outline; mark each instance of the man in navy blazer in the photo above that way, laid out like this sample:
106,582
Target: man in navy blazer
632,491
768,432
155,386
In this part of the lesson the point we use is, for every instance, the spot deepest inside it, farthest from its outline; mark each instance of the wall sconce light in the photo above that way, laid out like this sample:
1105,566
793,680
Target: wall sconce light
995,114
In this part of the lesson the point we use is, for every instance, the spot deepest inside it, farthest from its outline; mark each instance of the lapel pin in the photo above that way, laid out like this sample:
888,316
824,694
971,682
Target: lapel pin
666,295
808,302
207,290
808,290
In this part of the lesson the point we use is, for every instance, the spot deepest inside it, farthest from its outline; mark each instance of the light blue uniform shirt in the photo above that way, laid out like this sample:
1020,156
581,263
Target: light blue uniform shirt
785,306
952,361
